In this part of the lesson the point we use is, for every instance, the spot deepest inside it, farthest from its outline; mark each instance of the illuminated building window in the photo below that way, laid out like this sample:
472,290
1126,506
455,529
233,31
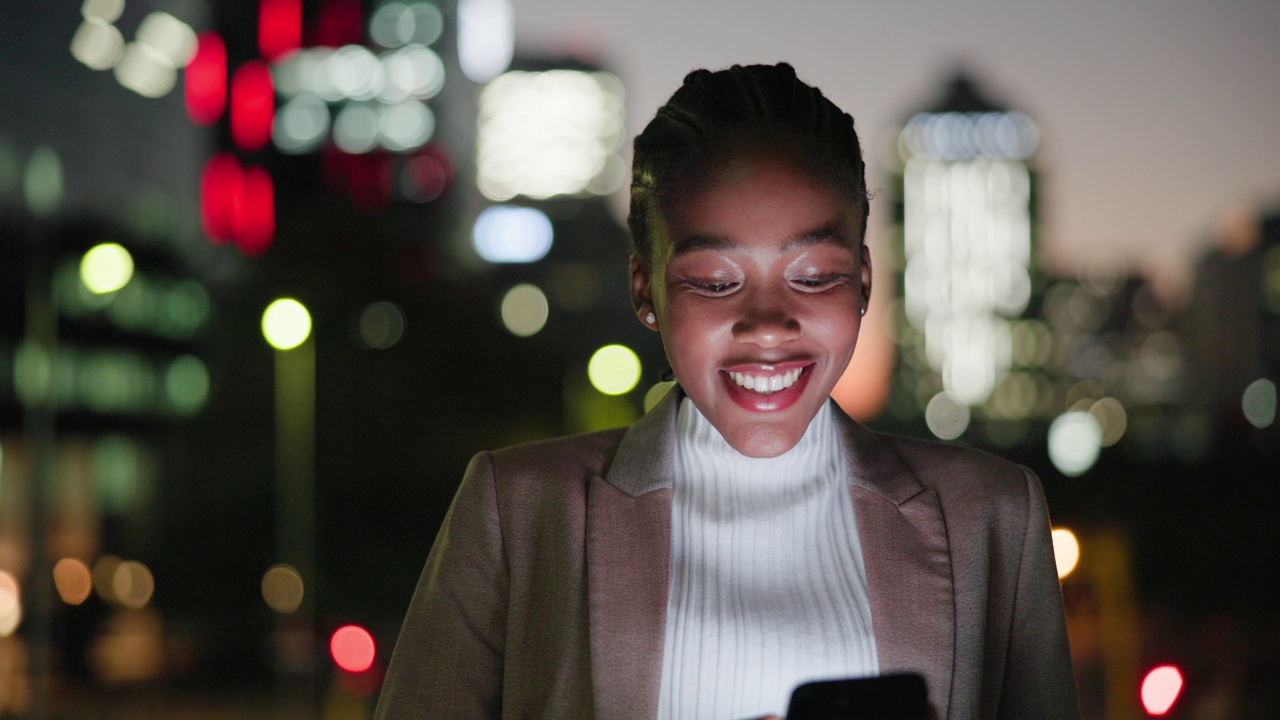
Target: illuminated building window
542,134
967,241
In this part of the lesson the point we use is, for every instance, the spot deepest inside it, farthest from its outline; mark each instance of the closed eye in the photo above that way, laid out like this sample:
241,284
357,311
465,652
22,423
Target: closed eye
712,288
819,283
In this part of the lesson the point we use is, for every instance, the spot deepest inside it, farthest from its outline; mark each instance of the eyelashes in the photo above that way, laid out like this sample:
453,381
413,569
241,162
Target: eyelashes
716,288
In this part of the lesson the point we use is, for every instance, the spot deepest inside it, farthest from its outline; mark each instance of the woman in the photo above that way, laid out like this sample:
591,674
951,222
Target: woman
745,535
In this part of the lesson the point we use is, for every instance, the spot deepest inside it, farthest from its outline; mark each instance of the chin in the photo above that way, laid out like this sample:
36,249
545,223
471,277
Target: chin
763,442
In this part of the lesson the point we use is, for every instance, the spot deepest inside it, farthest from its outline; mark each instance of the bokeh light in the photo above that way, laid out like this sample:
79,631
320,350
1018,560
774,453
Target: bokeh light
145,71
1066,551
352,648
947,415
106,268
104,572
1075,441
301,124
405,126
1112,419
73,581
205,80
486,38
614,369
286,324
104,10
10,604
1160,689
186,384
252,105
42,181
382,325
98,44
167,37
355,130
654,394
133,584
283,588
412,71
512,234
541,134
279,27
524,310
396,24
1259,403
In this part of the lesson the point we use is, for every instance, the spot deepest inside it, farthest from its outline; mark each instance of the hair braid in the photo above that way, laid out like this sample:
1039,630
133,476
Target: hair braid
715,112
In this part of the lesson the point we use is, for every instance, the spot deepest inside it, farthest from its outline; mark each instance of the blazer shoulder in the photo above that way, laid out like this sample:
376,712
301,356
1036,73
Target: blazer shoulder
957,470
587,454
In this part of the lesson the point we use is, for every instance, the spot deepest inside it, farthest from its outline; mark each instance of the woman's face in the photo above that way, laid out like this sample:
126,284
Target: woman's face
758,282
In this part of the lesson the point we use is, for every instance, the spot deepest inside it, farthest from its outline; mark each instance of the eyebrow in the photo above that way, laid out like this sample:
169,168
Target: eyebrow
701,241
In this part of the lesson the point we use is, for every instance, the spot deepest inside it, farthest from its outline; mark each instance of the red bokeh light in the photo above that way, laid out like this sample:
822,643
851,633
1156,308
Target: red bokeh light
252,105
279,27
257,221
205,80
1160,689
221,192
425,176
340,23
352,648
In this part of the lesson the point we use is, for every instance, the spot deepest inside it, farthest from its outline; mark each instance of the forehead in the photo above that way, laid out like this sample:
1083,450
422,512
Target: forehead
762,195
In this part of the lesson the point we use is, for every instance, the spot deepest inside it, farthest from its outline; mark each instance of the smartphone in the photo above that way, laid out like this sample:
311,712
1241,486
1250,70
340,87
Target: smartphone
899,696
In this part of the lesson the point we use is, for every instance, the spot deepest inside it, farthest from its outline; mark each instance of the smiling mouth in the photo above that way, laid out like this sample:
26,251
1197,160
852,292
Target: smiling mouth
766,384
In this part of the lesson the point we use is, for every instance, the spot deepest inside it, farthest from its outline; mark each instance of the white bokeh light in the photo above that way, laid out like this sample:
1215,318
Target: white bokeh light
512,234
542,134
1075,441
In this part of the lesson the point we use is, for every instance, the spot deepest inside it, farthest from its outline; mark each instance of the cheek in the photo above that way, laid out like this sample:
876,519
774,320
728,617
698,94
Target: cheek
691,336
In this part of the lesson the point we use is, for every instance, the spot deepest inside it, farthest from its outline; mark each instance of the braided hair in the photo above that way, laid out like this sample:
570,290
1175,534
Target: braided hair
717,114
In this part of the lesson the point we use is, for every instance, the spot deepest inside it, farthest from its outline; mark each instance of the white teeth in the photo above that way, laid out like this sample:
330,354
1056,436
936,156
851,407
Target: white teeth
766,384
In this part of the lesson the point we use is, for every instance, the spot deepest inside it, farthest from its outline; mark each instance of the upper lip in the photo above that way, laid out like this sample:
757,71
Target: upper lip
758,367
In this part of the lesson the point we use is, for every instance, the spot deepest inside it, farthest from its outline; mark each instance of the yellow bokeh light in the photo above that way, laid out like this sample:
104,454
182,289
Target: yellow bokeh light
133,584
106,268
654,395
73,580
10,604
614,369
286,324
1066,551
1112,418
104,571
282,588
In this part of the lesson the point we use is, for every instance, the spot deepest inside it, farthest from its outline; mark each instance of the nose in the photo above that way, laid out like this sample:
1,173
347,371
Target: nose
766,321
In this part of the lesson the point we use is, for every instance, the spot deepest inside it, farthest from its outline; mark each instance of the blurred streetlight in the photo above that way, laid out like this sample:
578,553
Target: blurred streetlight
1066,551
1160,689
286,326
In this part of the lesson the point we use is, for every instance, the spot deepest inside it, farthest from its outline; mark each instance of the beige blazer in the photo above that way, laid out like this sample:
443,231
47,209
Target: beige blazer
545,594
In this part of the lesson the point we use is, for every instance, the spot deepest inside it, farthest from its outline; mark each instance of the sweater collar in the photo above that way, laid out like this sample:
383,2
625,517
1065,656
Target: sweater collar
645,458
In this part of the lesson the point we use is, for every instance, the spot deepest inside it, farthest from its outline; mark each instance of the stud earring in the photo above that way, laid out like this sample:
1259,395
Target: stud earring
650,317
864,309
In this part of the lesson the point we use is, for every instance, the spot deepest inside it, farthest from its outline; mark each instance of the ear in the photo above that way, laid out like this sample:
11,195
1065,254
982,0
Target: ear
865,272
641,291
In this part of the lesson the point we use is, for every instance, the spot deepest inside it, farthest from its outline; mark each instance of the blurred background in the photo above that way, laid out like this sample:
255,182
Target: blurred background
271,271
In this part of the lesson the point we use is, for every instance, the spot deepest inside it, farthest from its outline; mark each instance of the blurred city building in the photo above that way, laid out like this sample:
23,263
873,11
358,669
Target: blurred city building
1234,335
993,350
437,214
186,506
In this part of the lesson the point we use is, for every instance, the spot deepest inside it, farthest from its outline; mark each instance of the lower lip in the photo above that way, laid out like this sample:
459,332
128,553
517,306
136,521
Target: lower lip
773,402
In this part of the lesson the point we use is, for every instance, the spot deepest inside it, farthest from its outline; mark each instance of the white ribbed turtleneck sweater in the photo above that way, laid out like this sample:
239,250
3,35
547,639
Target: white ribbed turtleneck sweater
767,586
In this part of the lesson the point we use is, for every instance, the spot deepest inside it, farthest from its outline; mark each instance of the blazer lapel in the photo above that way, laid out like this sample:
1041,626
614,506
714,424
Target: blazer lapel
629,565
908,563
